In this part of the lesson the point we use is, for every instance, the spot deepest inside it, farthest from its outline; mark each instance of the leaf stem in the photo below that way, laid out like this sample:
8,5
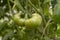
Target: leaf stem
9,6
46,26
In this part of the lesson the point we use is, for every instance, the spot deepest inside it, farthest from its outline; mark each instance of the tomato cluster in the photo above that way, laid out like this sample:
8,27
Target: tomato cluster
32,22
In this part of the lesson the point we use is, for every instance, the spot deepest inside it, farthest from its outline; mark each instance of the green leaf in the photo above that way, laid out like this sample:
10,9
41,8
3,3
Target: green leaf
1,12
46,1
47,38
58,30
56,13
58,33
18,4
46,9
9,35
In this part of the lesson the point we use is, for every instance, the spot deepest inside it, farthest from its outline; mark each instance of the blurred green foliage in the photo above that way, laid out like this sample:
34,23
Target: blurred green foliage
48,9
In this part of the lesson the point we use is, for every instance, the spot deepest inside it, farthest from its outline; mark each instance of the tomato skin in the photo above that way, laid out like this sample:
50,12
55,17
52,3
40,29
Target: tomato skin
18,20
34,21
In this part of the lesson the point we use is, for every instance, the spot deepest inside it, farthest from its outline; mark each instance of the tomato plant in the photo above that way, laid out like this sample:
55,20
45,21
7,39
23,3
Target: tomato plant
29,19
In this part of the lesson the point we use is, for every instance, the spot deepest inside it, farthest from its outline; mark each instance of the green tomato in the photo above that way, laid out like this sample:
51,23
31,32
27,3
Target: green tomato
18,20
34,21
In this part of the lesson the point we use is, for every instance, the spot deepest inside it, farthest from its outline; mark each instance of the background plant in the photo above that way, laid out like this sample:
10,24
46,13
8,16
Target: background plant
48,9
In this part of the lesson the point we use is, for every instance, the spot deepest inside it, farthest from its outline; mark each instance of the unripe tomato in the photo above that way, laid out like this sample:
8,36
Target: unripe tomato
18,20
34,21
